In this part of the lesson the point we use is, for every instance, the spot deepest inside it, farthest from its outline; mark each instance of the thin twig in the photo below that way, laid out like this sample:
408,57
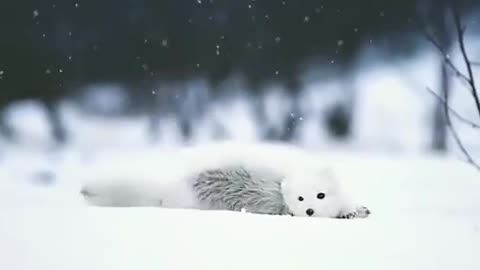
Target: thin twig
454,133
452,111
446,58
460,145
461,41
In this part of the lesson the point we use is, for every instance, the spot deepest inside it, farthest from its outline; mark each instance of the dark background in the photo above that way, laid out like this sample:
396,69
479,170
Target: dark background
51,50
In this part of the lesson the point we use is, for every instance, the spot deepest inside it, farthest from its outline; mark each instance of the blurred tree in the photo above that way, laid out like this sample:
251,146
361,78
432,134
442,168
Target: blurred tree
49,48
436,22
438,27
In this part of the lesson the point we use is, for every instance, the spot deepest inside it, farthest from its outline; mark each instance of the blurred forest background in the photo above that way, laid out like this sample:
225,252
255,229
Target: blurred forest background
317,72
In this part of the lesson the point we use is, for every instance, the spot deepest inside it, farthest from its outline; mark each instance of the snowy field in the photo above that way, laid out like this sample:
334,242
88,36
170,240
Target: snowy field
426,215
425,208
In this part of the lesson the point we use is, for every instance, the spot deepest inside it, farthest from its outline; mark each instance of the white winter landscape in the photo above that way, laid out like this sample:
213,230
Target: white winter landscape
425,215
425,207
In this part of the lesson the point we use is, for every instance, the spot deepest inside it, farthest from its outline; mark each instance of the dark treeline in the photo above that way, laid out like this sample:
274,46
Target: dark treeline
50,48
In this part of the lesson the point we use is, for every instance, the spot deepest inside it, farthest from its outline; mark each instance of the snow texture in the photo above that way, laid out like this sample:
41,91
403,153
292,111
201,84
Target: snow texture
425,215
425,210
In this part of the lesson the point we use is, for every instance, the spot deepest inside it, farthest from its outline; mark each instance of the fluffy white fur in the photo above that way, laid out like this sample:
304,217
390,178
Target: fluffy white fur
162,179
307,183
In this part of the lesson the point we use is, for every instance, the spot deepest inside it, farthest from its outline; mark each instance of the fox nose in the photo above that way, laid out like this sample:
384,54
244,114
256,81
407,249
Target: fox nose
310,211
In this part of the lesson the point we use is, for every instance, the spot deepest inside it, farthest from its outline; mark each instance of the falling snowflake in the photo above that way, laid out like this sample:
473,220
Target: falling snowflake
267,16
306,19
340,43
153,92
2,72
199,1
35,13
355,30
382,13
69,58
60,70
44,35
243,210
48,71
249,6
76,5
277,72
165,42
332,62
145,41
300,118
277,39
69,34
198,65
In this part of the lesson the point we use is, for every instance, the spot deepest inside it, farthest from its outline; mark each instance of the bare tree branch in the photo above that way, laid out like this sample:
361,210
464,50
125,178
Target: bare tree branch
452,111
447,109
446,58
461,40
460,145
455,135
468,79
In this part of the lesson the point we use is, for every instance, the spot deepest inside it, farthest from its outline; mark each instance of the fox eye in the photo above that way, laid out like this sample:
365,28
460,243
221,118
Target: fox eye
320,195
300,198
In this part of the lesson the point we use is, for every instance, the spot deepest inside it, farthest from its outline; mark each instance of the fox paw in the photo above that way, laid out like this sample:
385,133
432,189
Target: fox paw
358,212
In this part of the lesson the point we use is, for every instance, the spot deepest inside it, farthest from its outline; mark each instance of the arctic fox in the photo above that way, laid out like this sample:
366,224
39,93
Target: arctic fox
259,178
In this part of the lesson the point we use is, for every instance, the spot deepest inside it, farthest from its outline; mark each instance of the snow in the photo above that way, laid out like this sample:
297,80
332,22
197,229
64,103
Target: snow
29,120
162,239
425,208
425,215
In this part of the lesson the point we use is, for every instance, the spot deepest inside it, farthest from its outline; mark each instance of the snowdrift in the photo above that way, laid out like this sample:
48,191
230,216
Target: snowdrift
426,215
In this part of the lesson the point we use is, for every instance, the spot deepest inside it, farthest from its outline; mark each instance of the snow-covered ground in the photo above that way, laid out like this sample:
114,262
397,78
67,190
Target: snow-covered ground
426,209
426,215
